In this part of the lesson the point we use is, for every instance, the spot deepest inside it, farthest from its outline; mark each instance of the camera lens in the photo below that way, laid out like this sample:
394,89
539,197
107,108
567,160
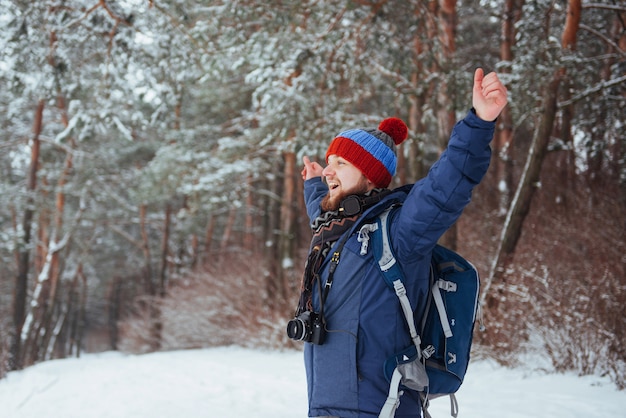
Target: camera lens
296,329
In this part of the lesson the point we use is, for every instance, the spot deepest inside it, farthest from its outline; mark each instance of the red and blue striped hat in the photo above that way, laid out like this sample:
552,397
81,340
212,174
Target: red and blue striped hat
372,150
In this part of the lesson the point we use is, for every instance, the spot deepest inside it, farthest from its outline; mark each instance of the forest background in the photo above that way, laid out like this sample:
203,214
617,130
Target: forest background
150,195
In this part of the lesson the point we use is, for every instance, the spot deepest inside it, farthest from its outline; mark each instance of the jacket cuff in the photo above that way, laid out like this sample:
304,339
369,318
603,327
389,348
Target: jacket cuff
473,120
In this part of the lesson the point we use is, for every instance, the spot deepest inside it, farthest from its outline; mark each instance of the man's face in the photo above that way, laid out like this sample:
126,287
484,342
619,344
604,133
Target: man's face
343,179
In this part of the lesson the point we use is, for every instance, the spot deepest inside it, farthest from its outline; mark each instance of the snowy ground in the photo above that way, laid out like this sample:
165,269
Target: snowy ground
236,382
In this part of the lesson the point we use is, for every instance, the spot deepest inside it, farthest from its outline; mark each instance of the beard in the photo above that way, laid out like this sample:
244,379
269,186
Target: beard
332,203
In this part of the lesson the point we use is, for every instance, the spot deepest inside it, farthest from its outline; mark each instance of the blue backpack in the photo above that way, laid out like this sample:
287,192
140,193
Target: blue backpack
436,362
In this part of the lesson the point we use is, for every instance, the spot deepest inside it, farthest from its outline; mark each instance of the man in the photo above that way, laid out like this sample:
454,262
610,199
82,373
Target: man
356,321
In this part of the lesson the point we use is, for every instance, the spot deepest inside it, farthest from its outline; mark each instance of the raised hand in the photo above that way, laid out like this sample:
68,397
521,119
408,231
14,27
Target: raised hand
311,169
489,96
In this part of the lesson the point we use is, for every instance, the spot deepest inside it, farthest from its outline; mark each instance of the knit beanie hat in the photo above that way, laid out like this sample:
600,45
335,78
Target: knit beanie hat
372,150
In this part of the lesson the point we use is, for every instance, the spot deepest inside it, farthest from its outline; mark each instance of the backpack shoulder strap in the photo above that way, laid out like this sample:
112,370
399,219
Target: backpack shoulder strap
392,273
394,278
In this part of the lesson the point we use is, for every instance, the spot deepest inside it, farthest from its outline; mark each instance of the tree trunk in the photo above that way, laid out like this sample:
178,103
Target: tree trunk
195,248
43,226
272,227
618,149
249,236
288,226
415,165
156,315
164,250
572,24
114,310
208,239
503,151
228,229
76,308
82,314
445,110
147,273
520,206
59,323
21,280
568,43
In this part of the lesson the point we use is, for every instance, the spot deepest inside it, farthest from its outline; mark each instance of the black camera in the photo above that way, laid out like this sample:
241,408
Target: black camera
308,326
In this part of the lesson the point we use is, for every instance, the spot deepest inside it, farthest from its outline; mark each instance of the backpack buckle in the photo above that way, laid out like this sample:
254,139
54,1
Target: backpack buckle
428,351
446,285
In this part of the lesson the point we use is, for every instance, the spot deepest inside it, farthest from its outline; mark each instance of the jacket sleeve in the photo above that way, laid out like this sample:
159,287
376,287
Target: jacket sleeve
314,191
436,202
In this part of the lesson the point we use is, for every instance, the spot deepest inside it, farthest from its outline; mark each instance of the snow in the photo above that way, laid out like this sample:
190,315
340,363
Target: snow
238,382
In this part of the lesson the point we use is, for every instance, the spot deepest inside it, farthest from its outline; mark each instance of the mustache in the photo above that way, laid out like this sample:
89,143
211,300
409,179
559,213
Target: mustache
331,203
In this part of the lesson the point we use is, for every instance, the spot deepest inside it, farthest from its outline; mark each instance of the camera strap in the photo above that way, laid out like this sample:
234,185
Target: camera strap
334,261
351,207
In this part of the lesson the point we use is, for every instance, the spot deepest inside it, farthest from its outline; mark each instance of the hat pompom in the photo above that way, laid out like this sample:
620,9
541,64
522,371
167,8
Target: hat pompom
395,128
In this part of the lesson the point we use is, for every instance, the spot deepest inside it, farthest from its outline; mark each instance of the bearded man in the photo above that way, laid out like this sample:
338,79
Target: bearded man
350,321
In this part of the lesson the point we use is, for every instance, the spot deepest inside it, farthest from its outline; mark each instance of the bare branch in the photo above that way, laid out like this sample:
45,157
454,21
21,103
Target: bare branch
604,38
126,235
604,6
595,89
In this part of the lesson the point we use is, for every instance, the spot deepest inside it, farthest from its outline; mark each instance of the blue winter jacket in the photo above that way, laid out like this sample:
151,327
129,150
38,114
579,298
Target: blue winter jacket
345,375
